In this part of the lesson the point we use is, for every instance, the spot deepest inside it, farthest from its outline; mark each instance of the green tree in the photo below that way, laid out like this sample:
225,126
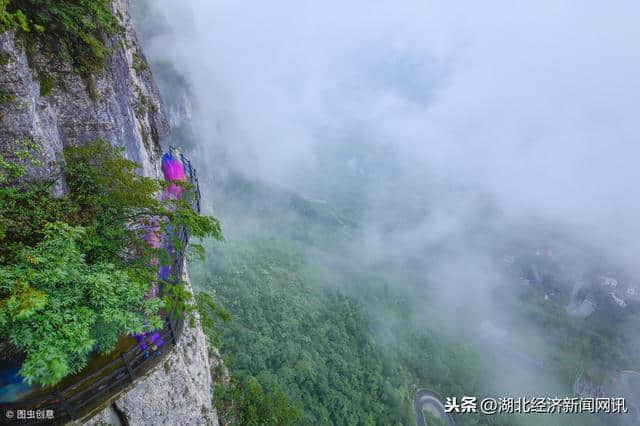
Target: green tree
59,308
74,270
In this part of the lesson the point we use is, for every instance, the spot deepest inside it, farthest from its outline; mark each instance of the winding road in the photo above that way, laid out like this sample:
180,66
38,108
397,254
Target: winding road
426,399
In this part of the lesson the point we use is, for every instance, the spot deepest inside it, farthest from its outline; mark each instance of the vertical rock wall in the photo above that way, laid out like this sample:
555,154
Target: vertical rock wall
127,112
178,392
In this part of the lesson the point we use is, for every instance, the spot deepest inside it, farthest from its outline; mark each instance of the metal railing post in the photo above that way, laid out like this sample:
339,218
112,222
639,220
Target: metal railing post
65,405
171,330
126,364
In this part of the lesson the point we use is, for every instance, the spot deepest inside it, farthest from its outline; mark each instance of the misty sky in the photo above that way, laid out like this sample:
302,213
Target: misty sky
534,102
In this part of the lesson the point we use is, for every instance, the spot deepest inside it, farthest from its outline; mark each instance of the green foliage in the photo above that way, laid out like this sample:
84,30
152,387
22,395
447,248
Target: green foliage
72,30
59,308
6,96
24,209
5,58
46,83
178,298
247,402
13,166
74,270
209,310
24,213
340,341
139,64
315,347
244,400
108,195
12,19
575,343
349,339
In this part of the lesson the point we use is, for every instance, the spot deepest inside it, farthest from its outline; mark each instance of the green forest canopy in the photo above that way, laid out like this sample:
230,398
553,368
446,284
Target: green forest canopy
311,342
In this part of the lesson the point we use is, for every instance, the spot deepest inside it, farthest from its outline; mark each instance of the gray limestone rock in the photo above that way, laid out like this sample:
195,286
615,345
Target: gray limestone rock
177,392
126,110
122,106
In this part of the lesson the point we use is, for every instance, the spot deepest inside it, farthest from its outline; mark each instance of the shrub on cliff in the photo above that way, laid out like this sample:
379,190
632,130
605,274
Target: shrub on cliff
60,308
74,270
72,30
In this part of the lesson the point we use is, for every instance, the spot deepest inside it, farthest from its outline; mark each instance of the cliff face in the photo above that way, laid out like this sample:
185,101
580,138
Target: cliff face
176,393
126,111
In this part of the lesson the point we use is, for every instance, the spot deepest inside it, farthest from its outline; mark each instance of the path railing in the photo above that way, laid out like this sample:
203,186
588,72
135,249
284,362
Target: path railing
90,391
192,175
